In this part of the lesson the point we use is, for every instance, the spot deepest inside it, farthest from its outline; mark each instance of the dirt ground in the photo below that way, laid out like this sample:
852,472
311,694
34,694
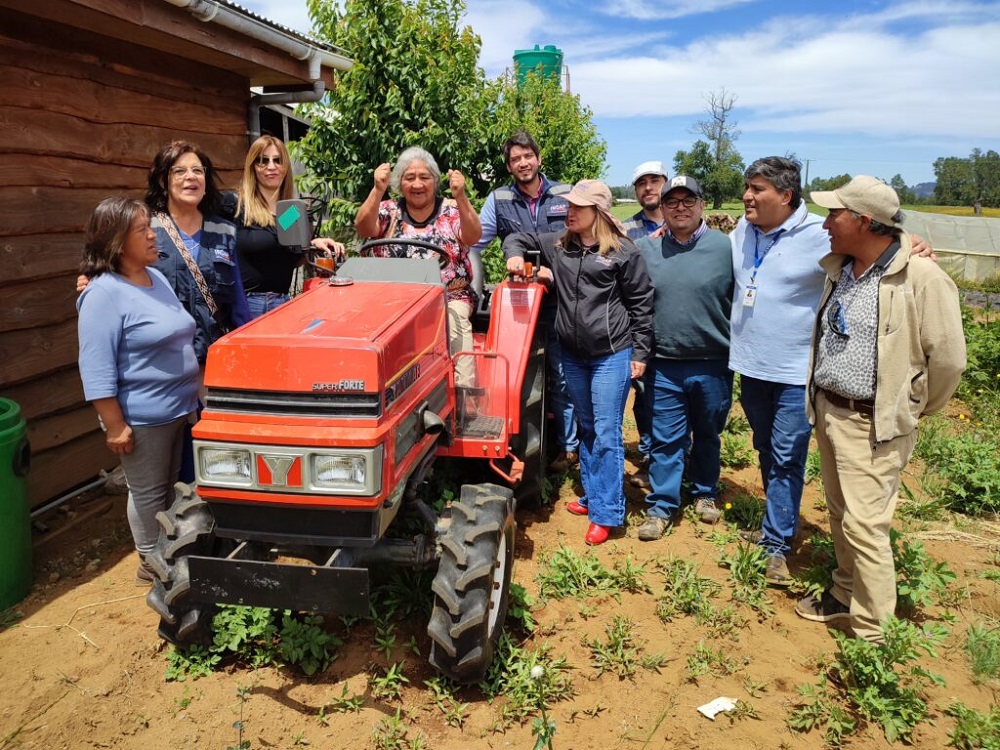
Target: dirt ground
83,667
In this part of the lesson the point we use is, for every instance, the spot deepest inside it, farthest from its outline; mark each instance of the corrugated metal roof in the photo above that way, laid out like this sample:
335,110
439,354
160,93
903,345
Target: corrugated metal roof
308,39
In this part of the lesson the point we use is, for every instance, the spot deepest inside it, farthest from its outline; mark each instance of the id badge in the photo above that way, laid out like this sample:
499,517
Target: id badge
750,296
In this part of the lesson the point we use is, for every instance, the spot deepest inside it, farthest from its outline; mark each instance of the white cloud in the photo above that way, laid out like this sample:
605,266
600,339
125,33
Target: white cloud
504,26
644,10
866,81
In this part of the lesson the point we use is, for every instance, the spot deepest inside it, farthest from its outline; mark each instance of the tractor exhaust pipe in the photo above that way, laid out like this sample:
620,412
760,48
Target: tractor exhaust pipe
433,424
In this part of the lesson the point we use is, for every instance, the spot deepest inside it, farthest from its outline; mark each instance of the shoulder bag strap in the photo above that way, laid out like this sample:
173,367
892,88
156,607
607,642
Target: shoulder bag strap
199,279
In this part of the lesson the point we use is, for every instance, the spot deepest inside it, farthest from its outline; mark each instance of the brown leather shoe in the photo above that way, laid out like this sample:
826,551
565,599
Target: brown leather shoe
565,461
144,575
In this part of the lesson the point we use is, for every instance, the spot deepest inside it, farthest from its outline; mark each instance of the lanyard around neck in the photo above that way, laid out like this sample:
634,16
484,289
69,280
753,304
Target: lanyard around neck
758,255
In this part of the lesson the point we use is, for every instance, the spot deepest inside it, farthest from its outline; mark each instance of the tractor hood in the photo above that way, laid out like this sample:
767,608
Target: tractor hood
360,337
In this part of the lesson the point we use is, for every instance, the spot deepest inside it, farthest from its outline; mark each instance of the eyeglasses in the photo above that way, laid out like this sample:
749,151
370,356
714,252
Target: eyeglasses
836,319
179,173
675,202
263,161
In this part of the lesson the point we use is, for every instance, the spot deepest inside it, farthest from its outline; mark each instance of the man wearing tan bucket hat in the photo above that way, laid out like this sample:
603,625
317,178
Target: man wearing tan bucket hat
887,349
604,321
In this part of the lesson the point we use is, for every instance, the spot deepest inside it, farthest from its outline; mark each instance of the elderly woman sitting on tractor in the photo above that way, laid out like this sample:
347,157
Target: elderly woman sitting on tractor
420,213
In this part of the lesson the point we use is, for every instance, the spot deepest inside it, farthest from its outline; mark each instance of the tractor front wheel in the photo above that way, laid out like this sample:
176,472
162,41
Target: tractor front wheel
186,528
472,585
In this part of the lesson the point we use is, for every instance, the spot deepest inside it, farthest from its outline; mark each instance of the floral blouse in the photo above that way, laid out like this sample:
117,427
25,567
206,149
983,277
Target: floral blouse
442,230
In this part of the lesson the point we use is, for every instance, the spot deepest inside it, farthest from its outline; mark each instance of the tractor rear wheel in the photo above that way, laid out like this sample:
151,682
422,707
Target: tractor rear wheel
472,585
531,444
186,528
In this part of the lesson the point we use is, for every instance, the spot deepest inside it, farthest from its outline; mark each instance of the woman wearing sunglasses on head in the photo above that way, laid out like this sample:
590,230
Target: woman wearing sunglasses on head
266,265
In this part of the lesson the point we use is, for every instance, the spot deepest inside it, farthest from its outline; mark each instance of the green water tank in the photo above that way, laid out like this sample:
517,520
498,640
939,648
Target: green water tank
546,61
15,517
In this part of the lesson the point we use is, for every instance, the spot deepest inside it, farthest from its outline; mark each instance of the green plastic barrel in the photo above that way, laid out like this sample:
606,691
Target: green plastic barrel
546,62
15,517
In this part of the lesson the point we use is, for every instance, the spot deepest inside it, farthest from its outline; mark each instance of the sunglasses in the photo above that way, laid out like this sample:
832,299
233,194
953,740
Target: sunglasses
263,161
836,319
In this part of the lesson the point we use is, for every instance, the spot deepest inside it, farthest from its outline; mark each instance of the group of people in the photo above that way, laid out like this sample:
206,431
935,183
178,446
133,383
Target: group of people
163,279
860,346
843,324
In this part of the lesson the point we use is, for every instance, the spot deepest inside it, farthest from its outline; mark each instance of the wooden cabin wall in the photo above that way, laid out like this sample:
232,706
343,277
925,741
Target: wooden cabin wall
81,117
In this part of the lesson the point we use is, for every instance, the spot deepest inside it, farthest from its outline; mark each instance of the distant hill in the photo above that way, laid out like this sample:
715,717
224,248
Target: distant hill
924,189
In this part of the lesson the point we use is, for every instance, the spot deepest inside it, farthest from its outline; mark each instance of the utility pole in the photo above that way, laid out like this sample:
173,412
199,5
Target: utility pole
807,174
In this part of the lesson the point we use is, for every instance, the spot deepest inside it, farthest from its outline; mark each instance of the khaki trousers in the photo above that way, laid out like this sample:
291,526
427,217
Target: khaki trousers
460,340
861,485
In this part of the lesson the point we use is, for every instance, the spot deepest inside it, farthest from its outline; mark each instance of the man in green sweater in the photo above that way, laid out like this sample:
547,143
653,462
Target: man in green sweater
691,267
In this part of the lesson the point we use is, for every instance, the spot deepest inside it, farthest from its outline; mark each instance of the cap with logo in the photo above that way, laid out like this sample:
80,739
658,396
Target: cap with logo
682,181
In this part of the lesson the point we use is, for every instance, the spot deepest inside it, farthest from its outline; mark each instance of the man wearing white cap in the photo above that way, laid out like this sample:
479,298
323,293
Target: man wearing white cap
887,349
648,180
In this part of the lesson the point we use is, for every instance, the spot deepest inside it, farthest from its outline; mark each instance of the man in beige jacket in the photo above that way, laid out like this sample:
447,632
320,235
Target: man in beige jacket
888,348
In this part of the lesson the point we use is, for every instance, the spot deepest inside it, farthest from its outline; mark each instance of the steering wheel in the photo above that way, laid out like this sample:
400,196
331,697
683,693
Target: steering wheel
365,251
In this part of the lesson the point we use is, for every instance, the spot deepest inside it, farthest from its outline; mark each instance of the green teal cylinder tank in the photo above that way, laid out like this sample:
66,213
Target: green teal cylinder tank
15,517
546,61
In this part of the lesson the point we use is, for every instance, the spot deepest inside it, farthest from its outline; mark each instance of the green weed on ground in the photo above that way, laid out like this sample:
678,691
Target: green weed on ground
566,573
879,684
620,651
513,674
982,647
974,730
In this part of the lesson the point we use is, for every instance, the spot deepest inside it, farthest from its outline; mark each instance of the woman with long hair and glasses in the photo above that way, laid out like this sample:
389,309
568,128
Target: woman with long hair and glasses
197,247
267,267
605,326
137,361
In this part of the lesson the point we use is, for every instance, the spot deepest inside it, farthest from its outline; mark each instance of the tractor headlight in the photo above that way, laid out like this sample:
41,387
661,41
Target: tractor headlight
225,465
341,472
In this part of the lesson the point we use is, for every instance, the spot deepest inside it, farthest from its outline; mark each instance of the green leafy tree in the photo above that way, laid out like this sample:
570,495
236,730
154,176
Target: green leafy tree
955,181
714,161
906,196
986,168
571,147
829,183
415,81
721,181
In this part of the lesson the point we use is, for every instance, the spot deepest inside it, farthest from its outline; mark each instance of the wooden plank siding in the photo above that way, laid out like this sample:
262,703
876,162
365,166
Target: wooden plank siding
81,117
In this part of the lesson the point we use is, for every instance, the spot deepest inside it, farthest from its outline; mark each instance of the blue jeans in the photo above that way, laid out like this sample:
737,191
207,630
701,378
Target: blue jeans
599,388
691,400
777,415
562,404
642,410
262,302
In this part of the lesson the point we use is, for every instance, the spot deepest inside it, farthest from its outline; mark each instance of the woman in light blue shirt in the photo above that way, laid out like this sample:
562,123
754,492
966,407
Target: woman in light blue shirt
137,360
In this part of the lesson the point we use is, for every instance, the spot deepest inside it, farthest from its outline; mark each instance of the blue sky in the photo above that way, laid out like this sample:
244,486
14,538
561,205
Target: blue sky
858,87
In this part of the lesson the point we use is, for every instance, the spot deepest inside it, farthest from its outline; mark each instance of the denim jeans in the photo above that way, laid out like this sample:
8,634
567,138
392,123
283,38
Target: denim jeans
691,400
561,403
777,416
642,410
599,388
262,302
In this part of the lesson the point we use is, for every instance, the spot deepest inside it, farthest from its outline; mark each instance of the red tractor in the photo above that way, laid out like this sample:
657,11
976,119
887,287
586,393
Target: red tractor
322,420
